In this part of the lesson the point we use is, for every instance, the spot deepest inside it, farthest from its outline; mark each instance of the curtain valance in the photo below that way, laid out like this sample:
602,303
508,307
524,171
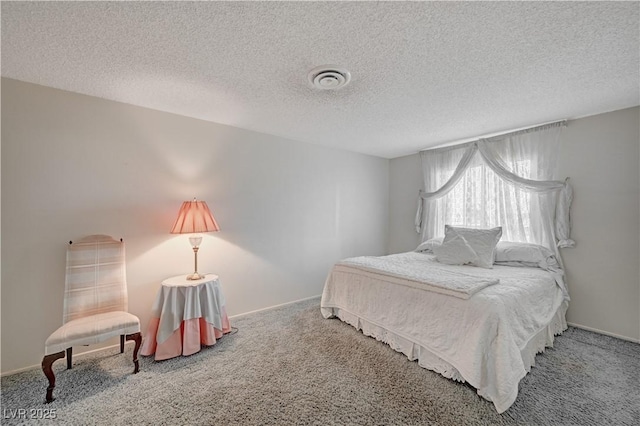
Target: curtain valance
444,167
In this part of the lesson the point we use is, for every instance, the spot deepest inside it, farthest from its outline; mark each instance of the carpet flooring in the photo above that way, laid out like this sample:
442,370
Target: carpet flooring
289,366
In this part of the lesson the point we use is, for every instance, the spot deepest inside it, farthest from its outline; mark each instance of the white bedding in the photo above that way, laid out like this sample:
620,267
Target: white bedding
489,340
423,274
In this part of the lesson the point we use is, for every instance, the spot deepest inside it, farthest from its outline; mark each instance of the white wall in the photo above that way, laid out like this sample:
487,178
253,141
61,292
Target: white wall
405,181
74,165
601,155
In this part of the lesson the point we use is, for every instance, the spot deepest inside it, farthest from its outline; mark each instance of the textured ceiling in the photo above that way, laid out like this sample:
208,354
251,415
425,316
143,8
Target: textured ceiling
423,74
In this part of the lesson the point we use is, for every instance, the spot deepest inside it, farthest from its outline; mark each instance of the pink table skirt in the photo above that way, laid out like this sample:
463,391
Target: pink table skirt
186,340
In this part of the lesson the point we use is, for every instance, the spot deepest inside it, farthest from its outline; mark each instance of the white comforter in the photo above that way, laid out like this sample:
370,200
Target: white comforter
430,276
490,338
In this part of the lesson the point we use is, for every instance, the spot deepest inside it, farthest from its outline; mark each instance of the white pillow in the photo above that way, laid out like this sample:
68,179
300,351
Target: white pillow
427,246
526,254
482,242
456,251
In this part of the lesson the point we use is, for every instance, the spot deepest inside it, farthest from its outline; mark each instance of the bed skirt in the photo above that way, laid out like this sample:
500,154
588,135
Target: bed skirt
415,351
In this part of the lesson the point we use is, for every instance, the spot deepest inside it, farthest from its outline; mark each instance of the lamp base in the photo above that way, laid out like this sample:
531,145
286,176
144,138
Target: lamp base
195,276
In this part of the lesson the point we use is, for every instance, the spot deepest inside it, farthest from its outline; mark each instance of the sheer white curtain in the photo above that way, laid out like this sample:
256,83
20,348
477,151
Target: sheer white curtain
504,181
442,169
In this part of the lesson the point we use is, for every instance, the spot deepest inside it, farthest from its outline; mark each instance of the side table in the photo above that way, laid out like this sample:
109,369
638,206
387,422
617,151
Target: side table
185,315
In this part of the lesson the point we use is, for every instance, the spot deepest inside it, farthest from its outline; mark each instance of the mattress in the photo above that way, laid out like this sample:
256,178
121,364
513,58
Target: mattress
488,340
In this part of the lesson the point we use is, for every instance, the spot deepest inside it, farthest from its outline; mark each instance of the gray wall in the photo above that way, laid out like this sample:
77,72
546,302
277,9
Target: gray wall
601,155
74,165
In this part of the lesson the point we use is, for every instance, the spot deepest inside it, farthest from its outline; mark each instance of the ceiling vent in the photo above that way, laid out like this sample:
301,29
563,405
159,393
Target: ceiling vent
329,77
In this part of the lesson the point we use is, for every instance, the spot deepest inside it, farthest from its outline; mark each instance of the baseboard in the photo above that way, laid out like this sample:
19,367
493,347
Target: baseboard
273,307
19,370
75,355
117,345
606,333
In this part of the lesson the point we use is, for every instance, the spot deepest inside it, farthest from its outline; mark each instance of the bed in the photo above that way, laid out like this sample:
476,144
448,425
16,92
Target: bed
486,334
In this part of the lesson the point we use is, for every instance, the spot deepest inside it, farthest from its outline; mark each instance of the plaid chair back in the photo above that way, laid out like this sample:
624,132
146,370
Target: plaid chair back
95,277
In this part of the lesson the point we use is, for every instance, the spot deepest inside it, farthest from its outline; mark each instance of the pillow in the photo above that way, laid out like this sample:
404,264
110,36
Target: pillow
456,251
427,246
482,242
526,254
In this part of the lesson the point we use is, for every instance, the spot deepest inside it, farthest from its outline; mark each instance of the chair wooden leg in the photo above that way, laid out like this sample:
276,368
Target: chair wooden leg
137,337
69,355
47,363
122,343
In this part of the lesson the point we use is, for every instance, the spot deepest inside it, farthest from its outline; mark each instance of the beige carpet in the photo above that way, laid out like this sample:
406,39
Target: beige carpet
289,366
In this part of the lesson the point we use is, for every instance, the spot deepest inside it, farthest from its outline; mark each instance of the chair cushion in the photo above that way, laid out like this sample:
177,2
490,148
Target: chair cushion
90,330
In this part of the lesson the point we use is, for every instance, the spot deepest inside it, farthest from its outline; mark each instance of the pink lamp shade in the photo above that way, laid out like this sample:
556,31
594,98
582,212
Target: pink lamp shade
194,217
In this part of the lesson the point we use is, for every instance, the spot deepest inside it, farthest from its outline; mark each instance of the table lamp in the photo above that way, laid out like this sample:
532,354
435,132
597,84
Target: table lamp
194,217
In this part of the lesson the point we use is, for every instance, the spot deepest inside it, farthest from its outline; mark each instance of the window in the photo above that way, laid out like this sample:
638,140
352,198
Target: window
503,181
482,200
